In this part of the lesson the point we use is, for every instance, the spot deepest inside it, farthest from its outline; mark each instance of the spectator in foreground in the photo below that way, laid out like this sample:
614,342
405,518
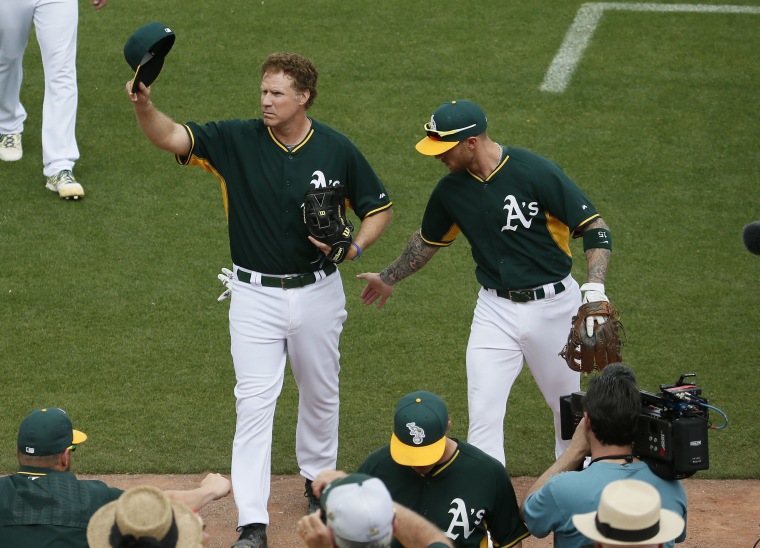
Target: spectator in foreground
45,504
630,514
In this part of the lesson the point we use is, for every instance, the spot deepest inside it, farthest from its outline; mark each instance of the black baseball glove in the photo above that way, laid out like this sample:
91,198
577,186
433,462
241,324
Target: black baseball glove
324,212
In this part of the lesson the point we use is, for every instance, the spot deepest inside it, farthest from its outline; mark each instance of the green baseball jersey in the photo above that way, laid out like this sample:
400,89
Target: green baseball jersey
518,221
264,183
49,509
466,497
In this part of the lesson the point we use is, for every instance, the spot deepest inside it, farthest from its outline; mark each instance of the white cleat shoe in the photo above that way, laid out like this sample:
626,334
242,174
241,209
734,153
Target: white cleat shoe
10,147
65,185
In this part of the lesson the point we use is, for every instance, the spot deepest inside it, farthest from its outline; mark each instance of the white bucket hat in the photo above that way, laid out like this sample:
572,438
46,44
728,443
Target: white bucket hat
145,512
630,513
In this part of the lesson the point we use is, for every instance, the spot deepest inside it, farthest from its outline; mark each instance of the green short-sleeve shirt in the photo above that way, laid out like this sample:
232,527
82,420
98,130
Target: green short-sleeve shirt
518,221
49,509
264,183
466,497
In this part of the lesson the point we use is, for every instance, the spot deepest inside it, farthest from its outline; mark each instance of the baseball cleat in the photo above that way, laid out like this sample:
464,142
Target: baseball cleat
65,185
314,503
253,535
10,147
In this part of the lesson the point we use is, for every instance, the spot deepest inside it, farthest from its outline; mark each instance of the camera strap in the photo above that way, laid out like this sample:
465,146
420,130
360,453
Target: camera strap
628,458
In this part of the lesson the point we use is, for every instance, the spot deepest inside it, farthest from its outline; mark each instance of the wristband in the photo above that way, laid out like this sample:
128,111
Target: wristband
358,251
596,238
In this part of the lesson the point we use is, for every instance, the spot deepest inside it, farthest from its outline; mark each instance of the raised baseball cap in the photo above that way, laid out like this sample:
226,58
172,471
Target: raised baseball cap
47,431
358,508
419,429
451,123
145,51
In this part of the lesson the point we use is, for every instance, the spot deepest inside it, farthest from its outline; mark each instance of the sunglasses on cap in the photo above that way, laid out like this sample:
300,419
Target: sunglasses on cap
431,132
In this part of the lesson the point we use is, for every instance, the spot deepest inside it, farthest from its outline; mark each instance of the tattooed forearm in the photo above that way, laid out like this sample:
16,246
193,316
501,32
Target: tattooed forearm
416,255
597,258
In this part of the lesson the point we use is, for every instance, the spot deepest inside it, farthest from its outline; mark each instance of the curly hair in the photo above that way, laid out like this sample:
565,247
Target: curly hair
299,68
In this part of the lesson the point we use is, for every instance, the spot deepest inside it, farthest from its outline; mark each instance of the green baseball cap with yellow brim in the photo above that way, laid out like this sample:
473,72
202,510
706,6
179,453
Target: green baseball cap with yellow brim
47,431
145,51
450,124
419,429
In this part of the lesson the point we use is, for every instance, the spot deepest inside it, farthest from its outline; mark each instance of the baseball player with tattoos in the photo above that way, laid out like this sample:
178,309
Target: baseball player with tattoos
287,299
519,211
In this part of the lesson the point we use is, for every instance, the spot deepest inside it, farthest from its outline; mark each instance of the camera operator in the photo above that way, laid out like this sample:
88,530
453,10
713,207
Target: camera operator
606,432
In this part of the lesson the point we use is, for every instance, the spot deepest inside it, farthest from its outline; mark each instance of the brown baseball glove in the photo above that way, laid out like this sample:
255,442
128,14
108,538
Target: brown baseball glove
587,353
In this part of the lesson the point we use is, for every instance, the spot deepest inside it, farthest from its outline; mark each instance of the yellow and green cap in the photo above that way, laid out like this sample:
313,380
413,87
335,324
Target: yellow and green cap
451,123
47,431
419,429
145,51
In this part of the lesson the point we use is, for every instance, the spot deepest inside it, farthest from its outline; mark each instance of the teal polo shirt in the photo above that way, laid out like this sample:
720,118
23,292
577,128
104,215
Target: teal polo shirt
49,509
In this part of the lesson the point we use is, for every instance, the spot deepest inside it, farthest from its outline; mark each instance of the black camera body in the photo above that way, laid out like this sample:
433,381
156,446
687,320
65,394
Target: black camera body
672,430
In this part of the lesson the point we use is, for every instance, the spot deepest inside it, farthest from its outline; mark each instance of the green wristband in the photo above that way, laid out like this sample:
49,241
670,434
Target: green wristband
597,237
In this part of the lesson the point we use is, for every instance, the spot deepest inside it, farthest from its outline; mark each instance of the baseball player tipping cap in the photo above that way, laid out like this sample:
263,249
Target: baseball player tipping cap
47,431
630,513
451,123
145,51
419,429
358,508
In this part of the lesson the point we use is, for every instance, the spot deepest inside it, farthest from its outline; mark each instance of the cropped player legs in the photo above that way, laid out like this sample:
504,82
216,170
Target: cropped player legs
258,328
314,359
547,327
494,360
15,25
56,24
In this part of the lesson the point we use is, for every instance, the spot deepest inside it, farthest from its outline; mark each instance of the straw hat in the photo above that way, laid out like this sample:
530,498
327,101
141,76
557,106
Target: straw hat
145,512
630,513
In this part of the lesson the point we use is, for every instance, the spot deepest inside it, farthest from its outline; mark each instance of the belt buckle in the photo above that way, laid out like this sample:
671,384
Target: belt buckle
520,295
283,280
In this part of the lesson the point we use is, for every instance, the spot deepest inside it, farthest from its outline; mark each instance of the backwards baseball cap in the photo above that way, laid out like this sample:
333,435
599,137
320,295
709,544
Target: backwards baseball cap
47,431
358,508
419,429
451,123
145,51
630,513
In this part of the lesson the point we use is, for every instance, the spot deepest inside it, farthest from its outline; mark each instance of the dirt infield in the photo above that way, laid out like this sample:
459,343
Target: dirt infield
721,513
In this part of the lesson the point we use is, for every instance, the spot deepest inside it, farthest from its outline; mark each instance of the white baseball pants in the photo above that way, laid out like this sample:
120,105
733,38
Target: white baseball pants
266,326
55,23
505,334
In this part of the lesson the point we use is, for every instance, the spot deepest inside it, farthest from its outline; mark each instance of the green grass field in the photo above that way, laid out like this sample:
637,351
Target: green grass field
108,306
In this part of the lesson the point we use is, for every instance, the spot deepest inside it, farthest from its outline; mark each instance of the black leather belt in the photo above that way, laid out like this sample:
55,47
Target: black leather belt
526,295
289,282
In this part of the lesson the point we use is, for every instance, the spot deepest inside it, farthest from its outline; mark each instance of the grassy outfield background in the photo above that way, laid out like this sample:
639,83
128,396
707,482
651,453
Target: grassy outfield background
108,306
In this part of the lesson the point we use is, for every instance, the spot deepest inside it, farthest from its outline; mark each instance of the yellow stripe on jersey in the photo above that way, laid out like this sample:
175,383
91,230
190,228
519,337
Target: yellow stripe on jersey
447,239
283,147
578,232
560,233
494,172
193,160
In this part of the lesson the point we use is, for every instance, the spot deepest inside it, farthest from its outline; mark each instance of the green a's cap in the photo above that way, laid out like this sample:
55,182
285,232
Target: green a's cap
451,123
47,431
145,51
419,429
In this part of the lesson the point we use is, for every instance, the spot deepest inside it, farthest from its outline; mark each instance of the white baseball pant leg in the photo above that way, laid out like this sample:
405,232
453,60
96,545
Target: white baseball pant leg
504,335
266,324
56,24
15,24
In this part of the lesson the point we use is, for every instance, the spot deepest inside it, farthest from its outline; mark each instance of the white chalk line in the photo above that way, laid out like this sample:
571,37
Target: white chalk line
579,34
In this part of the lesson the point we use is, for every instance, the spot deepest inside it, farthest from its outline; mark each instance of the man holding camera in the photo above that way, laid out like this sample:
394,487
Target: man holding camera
606,432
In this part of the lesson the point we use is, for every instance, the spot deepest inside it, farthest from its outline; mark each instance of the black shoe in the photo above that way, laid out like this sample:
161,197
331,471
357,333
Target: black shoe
253,535
314,504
